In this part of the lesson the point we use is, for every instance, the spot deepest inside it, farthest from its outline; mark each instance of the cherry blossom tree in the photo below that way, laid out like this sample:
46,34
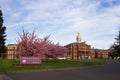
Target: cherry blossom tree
55,51
30,45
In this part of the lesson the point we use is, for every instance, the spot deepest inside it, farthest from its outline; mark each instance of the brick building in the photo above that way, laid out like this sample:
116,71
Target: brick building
81,50
99,53
12,51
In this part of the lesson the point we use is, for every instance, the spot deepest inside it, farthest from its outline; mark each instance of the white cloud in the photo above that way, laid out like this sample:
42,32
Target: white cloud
62,19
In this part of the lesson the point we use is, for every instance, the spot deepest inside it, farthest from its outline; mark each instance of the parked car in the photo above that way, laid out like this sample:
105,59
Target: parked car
61,58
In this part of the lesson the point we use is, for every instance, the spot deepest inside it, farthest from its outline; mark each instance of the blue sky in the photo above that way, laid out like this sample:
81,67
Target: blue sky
98,21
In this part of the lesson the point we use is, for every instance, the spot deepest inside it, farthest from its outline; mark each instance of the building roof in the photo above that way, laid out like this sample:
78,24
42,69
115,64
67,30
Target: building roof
12,45
78,44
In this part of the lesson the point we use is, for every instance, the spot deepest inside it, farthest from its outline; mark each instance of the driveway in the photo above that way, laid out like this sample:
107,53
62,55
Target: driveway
107,72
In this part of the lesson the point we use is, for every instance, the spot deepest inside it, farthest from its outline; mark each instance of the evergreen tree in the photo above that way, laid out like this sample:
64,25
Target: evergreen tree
115,48
2,34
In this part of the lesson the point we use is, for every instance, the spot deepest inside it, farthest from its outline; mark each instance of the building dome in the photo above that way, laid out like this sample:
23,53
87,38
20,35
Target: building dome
79,38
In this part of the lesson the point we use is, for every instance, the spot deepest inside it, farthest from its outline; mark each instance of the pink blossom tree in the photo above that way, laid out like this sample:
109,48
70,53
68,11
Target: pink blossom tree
55,51
30,45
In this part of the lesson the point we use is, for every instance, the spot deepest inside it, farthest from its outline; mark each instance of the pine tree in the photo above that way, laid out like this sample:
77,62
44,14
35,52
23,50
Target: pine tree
2,34
115,48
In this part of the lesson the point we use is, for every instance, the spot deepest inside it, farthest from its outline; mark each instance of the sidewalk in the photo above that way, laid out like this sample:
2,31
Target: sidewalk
4,77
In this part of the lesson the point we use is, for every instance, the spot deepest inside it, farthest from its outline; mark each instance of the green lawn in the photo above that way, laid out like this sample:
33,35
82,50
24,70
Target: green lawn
6,65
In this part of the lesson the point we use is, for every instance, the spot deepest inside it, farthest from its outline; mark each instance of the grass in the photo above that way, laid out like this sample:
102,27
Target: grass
6,65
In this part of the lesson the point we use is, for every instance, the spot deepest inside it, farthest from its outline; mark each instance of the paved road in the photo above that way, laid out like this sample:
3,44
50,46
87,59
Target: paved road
107,72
